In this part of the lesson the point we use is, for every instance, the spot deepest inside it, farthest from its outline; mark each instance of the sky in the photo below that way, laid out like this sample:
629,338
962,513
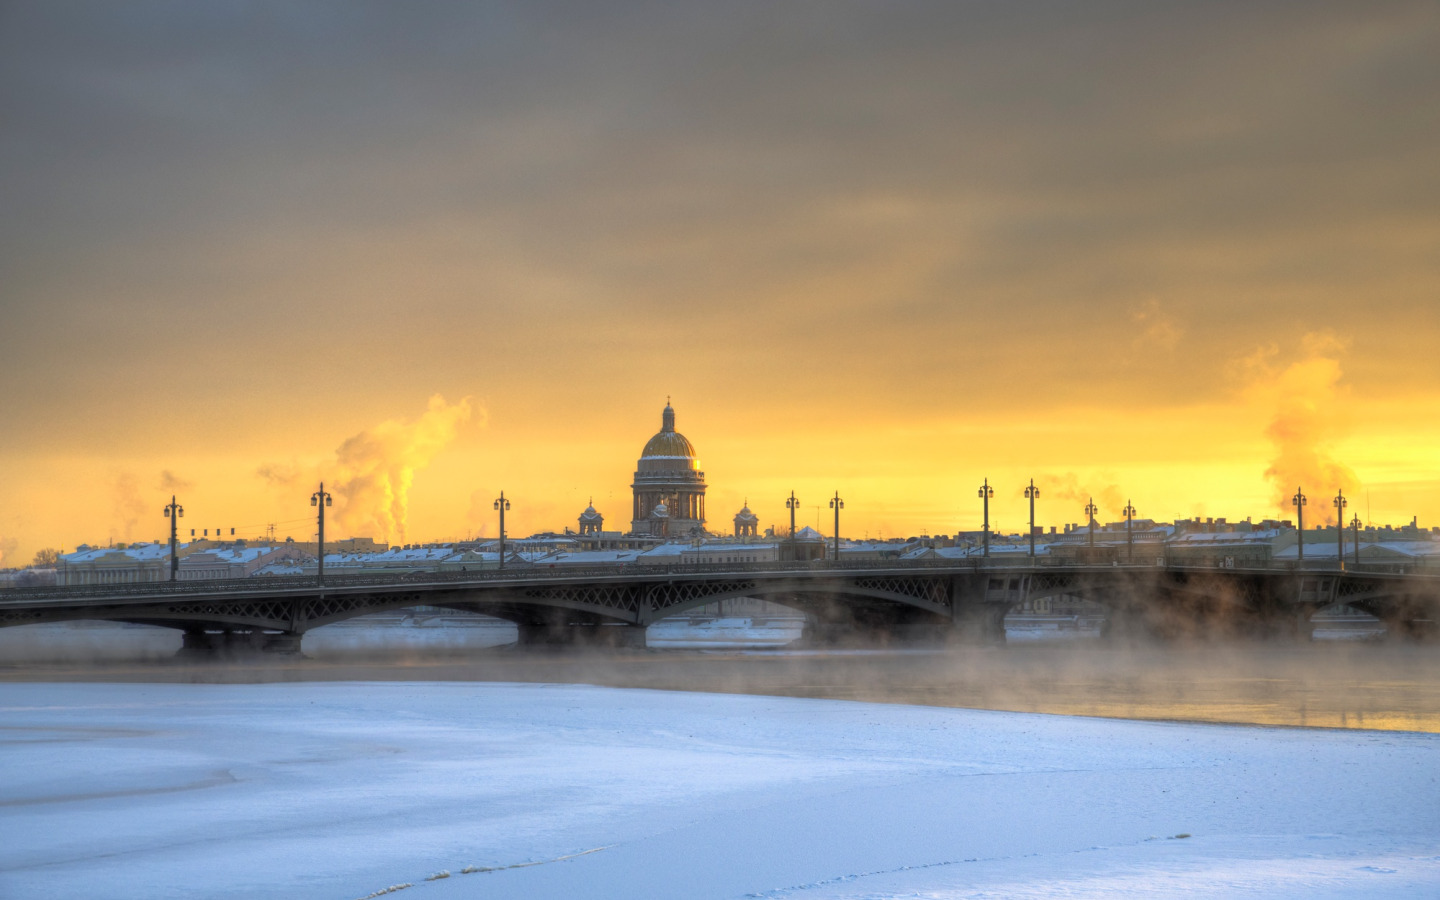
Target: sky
1181,254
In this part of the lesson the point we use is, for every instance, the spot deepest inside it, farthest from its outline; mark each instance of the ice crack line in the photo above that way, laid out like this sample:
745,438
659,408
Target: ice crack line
222,776
840,879
475,870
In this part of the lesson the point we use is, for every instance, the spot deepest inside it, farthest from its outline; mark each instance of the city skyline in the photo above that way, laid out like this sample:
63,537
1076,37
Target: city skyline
360,487
396,482
890,252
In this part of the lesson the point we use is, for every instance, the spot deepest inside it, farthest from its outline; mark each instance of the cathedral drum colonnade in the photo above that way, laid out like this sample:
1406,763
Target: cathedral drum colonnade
669,486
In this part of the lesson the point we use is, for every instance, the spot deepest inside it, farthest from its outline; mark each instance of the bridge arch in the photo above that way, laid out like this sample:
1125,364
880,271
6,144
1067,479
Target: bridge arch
1170,604
896,599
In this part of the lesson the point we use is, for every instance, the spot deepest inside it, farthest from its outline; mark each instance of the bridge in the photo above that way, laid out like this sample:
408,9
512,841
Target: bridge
876,601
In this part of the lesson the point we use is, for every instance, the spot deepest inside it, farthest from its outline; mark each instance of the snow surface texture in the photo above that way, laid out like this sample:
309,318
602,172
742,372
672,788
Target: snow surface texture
345,790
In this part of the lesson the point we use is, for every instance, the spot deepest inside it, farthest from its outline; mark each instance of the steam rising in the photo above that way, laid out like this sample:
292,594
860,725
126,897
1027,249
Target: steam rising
478,514
172,483
374,469
129,506
1307,397
1159,331
371,474
8,546
1068,488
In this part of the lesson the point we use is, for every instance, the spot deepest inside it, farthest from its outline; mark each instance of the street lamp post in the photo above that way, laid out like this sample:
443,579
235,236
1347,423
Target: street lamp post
1340,503
792,504
986,492
1031,493
502,504
1299,501
1129,531
837,504
1355,533
173,512
1090,510
320,499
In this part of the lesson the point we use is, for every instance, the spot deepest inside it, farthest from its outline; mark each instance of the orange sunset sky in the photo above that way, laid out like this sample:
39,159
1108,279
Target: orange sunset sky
1184,254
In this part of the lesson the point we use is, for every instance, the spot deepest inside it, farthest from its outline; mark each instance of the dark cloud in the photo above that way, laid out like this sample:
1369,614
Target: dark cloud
195,194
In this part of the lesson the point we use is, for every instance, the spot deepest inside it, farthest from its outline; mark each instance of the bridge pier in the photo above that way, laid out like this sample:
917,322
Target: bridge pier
195,643
1130,625
977,614
834,635
613,636
286,643
1304,627
199,644
981,623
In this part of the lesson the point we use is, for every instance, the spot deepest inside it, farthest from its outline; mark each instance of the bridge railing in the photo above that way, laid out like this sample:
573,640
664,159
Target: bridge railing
533,572
526,573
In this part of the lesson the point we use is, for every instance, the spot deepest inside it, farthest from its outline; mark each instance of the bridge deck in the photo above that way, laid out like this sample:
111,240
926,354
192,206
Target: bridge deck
866,593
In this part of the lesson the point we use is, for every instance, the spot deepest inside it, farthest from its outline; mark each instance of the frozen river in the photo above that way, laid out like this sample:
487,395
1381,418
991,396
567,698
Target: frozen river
341,790
1393,686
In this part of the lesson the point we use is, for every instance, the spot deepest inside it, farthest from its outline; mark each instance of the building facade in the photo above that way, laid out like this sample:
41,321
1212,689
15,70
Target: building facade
135,564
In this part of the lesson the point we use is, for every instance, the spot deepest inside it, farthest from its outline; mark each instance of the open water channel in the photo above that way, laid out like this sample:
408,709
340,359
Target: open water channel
1375,685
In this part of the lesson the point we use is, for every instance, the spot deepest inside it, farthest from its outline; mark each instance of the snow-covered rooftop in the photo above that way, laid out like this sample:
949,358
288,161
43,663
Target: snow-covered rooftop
134,552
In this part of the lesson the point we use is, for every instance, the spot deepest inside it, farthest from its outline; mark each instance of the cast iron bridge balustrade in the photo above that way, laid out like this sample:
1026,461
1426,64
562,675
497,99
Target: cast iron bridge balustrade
864,599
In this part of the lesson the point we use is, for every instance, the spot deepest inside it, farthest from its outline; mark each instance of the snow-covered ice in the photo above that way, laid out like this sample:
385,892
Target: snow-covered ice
341,790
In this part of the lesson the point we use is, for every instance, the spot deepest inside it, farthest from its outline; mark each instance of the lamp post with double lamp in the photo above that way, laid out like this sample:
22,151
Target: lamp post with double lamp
837,504
1090,510
792,504
986,492
173,512
320,499
1355,533
1299,501
1340,503
1031,493
502,504
1129,512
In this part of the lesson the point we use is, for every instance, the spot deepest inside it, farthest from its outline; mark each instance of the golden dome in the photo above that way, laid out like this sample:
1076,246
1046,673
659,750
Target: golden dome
668,443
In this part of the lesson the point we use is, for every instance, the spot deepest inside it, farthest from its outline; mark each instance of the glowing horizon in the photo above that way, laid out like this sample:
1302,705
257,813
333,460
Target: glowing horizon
1183,257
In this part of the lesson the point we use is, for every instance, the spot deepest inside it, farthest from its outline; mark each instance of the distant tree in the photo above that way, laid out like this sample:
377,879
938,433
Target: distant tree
47,558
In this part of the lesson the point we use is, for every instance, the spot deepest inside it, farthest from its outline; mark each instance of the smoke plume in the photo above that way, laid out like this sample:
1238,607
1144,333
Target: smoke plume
172,483
372,472
481,510
279,475
8,546
1157,329
1061,492
1307,398
128,505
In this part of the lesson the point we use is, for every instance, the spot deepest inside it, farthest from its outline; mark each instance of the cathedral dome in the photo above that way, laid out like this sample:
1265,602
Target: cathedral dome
669,486
668,446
